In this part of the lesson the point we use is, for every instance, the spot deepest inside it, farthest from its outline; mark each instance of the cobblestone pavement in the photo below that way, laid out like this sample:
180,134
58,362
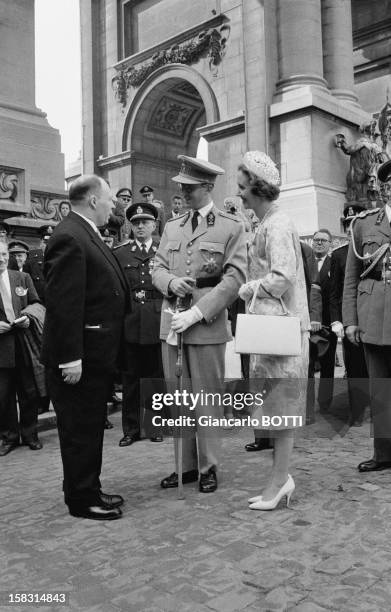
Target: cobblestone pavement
330,551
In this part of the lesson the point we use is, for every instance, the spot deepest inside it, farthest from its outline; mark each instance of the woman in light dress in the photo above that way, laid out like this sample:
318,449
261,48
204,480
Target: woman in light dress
274,259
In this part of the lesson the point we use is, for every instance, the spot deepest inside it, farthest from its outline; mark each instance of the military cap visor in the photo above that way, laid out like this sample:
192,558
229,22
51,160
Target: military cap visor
125,191
142,211
18,247
146,189
196,171
384,171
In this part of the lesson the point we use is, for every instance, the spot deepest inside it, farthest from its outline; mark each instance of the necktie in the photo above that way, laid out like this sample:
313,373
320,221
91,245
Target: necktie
194,220
143,248
7,301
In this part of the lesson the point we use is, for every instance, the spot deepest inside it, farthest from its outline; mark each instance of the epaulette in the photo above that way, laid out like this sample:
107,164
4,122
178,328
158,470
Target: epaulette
123,244
340,246
365,213
230,216
176,218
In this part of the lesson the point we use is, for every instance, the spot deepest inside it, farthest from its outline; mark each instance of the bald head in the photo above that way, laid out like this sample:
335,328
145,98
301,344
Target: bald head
91,196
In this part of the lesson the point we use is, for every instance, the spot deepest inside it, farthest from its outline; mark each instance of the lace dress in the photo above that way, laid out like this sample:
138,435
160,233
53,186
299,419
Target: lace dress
275,257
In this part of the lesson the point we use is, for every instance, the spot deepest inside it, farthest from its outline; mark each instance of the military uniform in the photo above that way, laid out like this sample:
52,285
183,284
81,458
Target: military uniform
34,263
367,304
214,254
142,342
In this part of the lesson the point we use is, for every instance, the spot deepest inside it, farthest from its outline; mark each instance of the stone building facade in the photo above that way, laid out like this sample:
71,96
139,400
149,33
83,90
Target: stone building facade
275,75
31,162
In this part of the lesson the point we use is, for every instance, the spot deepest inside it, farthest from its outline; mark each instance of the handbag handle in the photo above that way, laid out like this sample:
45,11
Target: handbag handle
286,312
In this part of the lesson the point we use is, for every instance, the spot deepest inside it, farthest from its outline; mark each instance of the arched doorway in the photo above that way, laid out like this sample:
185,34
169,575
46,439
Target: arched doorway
162,123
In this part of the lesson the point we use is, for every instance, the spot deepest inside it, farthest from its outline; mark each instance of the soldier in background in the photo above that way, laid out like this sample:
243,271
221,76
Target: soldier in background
34,266
18,251
354,358
366,312
142,343
149,197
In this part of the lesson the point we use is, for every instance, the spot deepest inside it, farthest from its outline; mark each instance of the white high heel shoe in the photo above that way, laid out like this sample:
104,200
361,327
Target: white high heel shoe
285,491
255,499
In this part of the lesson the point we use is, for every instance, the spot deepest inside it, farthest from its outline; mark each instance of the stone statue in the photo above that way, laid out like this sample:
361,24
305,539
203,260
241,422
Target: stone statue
365,157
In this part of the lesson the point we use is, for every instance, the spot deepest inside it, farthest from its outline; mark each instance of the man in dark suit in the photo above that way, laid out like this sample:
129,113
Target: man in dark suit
16,373
322,240
86,297
142,325
356,369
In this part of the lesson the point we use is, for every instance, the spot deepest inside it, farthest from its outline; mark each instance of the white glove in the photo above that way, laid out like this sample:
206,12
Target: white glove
337,328
246,291
182,320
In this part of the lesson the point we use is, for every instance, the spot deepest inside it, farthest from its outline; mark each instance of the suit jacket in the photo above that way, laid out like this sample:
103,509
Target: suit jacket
324,279
143,323
86,298
337,277
311,274
216,249
367,302
23,293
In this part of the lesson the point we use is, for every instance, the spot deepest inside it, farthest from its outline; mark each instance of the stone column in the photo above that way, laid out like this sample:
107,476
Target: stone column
338,48
300,55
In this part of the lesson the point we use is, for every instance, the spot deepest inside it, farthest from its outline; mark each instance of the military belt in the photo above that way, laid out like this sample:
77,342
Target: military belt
146,294
212,281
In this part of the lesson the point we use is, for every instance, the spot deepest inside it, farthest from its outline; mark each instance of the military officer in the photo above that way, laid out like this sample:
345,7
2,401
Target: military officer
354,358
34,265
143,352
202,255
148,196
18,251
366,312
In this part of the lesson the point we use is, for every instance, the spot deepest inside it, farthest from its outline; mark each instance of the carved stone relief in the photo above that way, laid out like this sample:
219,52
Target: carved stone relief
45,207
8,184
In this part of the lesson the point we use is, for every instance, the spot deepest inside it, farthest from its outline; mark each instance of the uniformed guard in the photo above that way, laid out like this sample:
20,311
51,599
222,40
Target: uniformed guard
18,251
34,265
202,255
354,358
148,196
366,314
143,351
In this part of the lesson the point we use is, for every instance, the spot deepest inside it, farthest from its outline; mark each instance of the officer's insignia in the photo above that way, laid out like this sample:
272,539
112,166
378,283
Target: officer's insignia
133,248
154,248
210,265
140,295
21,291
210,219
151,264
380,217
139,210
350,211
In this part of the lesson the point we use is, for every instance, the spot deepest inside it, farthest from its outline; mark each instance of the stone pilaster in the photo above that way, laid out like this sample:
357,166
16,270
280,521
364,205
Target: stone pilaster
300,54
338,48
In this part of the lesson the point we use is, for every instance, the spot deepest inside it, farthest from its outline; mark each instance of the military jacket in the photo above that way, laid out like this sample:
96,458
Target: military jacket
143,323
367,301
215,255
34,267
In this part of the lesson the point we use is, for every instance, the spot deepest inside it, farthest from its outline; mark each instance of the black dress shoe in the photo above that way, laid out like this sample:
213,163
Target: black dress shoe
156,439
129,439
373,466
259,445
208,481
172,481
34,443
96,513
111,501
108,424
7,447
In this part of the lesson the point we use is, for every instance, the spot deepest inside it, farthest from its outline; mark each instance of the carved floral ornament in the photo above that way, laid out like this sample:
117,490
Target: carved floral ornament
8,185
46,207
209,43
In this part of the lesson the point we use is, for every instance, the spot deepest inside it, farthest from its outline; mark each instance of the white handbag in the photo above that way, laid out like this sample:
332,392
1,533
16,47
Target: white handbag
259,334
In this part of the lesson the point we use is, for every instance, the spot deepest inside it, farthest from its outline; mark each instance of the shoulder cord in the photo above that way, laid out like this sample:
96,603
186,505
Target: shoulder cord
376,256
